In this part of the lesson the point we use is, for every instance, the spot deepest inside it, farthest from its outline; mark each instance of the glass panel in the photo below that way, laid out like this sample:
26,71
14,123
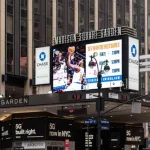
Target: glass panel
37,44
37,17
49,8
36,6
11,2
23,13
71,3
23,27
24,41
9,23
118,13
49,34
23,51
101,20
36,30
24,4
9,9
10,37
49,21
110,11
71,16
60,12
9,53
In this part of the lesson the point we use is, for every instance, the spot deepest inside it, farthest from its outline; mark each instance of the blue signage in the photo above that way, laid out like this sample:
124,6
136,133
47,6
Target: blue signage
104,127
90,121
42,56
93,121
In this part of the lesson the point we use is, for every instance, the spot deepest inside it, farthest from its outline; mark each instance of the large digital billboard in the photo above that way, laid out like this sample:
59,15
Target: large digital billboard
111,51
71,71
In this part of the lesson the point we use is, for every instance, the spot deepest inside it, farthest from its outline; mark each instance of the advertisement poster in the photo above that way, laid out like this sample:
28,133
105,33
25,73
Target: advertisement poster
71,71
26,129
42,65
133,64
111,51
60,129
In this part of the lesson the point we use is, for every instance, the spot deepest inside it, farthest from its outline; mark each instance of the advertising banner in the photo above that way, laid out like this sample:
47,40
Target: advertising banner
71,71
33,145
60,129
6,133
42,65
26,129
134,136
133,64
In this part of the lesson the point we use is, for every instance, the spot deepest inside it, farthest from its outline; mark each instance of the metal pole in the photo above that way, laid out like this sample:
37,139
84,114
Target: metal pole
99,112
98,129
88,135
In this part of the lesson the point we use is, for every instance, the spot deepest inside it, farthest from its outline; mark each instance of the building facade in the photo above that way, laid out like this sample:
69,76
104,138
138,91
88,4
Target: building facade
28,24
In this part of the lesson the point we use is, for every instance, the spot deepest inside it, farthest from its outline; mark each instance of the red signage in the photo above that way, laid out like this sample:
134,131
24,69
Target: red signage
66,144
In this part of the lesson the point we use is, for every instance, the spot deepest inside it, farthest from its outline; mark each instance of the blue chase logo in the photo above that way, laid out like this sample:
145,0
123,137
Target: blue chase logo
42,56
133,50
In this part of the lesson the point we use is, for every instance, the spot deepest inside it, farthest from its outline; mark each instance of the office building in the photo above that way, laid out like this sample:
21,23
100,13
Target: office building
28,24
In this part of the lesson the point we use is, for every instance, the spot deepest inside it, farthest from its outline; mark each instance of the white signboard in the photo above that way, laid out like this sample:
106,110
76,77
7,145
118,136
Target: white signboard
113,95
33,145
91,95
112,51
133,74
42,65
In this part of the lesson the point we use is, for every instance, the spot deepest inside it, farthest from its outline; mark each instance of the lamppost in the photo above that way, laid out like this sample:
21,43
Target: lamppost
100,100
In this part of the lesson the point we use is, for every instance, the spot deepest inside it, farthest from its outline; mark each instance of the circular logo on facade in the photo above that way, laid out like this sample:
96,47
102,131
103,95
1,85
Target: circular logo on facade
42,56
133,50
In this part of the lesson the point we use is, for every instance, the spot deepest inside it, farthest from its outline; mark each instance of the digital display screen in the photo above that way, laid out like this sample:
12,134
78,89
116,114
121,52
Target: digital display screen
71,70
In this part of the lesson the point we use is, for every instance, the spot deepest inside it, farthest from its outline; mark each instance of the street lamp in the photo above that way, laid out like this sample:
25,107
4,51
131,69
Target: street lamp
100,100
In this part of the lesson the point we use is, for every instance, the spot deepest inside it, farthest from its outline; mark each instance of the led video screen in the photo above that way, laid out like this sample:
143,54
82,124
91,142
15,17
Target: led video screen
71,70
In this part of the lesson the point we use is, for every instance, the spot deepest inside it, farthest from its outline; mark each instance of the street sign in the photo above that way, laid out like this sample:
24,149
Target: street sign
90,121
94,121
104,127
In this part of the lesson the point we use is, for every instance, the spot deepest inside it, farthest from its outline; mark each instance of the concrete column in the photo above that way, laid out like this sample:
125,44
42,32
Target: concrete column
54,18
76,16
146,43
114,13
130,13
96,15
2,46
28,88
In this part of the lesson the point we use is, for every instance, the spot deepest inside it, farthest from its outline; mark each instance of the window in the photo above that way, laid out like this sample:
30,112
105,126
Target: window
118,13
91,15
49,8
9,57
10,37
23,51
127,13
48,34
36,30
24,41
11,2
81,16
110,11
24,4
36,6
101,14
60,17
9,23
10,9
23,27
23,13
